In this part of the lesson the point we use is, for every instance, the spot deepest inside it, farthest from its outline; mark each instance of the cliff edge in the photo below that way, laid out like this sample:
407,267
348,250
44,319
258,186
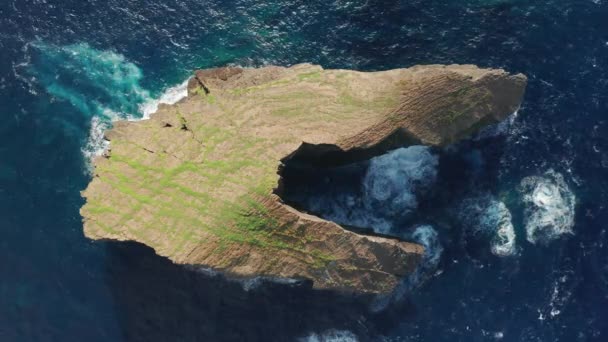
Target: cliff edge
200,181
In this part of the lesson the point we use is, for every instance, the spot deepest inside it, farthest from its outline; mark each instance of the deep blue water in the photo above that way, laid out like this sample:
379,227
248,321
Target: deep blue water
66,62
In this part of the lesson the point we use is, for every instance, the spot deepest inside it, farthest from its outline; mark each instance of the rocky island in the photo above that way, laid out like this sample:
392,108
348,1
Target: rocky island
200,181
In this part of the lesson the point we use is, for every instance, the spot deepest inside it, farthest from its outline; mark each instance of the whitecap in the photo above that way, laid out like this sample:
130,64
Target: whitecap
559,296
549,207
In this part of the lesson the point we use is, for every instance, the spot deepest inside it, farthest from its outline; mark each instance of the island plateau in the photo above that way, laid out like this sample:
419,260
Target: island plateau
200,181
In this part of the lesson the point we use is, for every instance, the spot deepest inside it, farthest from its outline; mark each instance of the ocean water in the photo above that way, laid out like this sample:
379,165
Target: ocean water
515,219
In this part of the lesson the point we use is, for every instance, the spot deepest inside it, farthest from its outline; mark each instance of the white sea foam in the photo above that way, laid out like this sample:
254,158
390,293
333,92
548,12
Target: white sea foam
549,207
428,237
393,180
91,80
390,189
485,216
96,144
170,96
498,215
401,169
107,87
331,336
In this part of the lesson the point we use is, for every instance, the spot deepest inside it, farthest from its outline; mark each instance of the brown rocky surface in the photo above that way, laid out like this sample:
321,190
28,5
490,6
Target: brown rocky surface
200,180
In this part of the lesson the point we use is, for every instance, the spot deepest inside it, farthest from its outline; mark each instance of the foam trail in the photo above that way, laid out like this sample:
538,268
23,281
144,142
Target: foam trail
486,217
92,80
549,207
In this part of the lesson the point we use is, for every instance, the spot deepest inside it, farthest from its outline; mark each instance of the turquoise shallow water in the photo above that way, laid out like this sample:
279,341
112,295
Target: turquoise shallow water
70,66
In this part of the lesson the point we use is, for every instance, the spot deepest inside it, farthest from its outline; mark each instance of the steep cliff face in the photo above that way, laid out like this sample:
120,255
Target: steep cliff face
200,180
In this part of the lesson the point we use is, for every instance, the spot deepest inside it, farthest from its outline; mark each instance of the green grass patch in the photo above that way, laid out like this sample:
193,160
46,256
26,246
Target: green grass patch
315,75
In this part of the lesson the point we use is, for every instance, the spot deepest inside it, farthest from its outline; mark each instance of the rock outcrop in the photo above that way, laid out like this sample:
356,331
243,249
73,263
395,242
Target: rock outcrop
200,180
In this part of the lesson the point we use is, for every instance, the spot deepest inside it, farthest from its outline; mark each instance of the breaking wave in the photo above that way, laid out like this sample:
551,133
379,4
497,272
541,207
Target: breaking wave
549,207
96,144
170,96
102,85
486,217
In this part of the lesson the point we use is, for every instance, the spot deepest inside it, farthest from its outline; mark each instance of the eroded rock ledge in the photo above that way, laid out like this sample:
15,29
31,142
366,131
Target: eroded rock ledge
200,181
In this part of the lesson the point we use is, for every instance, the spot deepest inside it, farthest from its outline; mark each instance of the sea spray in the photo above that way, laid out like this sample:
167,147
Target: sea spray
549,207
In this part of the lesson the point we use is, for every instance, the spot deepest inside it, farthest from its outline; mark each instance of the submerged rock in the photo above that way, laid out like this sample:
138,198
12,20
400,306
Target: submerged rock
200,181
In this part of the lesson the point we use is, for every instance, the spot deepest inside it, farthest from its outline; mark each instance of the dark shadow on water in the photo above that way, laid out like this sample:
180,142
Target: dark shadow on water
468,168
156,300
